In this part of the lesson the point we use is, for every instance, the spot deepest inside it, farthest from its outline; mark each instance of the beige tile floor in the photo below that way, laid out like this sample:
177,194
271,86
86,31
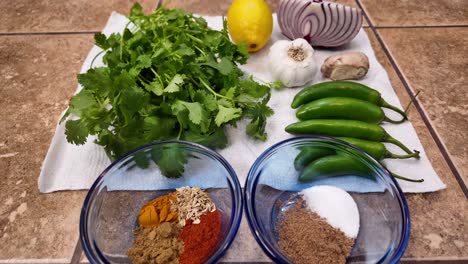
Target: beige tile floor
422,45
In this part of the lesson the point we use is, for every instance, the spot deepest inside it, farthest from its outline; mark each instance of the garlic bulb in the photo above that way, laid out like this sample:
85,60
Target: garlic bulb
292,62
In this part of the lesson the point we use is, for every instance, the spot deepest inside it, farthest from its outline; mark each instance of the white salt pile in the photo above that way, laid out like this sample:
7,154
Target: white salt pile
335,205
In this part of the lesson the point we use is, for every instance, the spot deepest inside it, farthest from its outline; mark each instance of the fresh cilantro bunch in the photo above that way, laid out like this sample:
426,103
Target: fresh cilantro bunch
171,77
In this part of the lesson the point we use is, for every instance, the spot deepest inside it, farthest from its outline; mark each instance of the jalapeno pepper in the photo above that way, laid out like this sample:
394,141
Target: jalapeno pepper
377,149
343,108
345,128
339,165
309,154
342,89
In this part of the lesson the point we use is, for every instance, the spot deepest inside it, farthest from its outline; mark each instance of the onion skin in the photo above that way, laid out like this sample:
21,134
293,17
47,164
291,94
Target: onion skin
322,24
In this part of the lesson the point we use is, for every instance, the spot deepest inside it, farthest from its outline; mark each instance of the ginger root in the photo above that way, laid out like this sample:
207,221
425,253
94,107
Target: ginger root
345,66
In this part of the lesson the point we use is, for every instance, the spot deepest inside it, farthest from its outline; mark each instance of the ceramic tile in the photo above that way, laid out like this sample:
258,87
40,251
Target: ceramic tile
55,15
86,15
221,7
417,12
434,61
207,7
37,77
438,220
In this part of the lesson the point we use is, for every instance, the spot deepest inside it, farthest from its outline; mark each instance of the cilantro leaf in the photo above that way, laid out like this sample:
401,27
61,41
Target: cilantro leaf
242,49
258,112
231,92
277,85
256,129
82,101
174,84
101,41
226,114
76,131
252,88
184,50
144,61
171,160
157,128
206,99
141,159
225,66
136,10
216,139
97,80
129,101
155,87
195,110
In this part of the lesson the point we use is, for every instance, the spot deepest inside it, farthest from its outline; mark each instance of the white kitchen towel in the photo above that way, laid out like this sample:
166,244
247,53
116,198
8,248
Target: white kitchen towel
70,167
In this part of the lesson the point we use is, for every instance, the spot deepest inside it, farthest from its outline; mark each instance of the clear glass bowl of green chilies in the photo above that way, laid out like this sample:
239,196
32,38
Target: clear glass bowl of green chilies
284,169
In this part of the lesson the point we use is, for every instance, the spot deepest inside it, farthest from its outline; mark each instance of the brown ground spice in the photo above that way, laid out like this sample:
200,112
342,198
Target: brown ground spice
157,245
306,238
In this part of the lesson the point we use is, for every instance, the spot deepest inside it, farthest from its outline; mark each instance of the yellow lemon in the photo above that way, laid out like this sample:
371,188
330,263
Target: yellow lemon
250,21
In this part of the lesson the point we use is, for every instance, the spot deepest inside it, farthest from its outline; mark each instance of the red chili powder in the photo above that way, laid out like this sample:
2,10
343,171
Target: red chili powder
200,239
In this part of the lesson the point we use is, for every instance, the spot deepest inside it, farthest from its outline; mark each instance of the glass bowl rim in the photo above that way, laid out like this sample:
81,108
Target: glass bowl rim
252,216
97,257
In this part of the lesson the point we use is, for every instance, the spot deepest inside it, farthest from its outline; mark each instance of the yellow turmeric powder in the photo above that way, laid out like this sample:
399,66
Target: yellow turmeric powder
158,211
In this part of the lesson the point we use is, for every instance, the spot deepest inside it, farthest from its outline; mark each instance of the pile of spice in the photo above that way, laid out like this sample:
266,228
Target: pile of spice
181,227
320,228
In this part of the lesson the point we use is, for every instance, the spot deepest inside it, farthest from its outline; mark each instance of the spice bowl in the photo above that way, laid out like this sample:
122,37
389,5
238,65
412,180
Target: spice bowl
273,187
110,212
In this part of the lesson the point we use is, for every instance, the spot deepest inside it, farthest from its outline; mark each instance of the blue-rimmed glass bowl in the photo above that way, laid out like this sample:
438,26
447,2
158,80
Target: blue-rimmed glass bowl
110,210
384,215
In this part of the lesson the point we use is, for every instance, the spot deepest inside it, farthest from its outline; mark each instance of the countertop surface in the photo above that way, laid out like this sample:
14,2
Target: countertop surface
421,44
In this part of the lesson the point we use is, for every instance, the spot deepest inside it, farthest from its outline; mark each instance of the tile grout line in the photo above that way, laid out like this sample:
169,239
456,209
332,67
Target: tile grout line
94,32
419,107
76,257
421,26
439,260
47,33
370,23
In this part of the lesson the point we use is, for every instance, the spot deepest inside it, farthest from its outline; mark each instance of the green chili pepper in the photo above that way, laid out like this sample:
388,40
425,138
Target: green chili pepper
377,149
339,165
309,154
343,108
342,89
345,128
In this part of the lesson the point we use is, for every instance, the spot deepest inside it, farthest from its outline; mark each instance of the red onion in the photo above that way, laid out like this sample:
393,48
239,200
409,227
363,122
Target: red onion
320,23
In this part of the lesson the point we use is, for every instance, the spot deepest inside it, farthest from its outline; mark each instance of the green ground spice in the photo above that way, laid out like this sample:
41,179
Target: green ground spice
157,244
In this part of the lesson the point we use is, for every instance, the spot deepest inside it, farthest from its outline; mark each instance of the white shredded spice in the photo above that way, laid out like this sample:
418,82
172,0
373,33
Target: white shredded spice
191,203
335,205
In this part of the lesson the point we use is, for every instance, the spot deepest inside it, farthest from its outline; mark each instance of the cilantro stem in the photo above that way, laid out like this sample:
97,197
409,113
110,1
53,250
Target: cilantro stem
141,79
212,91
195,39
157,75
201,51
121,45
180,131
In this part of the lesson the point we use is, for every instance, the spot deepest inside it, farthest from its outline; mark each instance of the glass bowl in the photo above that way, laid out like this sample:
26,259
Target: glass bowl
384,215
110,210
